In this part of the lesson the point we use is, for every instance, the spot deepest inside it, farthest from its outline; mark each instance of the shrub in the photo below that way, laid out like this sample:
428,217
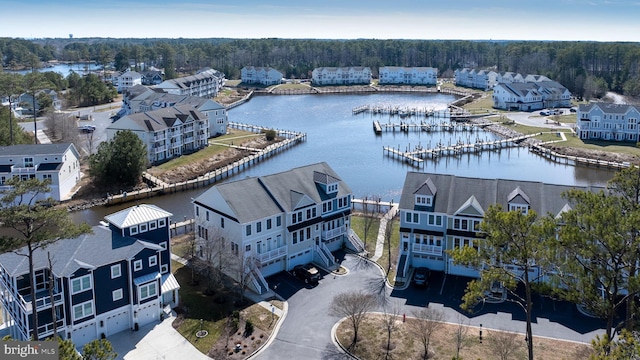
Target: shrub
270,134
248,328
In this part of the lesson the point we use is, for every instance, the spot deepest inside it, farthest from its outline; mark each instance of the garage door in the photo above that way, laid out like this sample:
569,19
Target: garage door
83,334
117,323
148,313
301,258
273,267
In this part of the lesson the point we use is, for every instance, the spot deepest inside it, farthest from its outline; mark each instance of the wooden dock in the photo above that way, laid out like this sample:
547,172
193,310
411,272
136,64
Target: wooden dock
425,126
576,160
415,156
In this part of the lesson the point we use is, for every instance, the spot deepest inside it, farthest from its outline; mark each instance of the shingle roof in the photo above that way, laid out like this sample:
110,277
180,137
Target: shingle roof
454,191
607,108
163,118
102,247
135,215
35,149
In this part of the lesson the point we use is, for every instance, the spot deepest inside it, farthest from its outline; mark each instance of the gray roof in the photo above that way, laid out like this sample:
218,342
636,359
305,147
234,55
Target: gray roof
255,198
102,247
455,191
135,215
35,149
163,118
607,108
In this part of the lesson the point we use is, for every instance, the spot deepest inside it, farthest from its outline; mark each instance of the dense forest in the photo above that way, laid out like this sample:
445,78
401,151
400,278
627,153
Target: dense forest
584,68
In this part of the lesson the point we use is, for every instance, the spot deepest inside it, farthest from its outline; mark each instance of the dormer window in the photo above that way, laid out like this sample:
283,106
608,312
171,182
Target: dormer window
519,201
424,200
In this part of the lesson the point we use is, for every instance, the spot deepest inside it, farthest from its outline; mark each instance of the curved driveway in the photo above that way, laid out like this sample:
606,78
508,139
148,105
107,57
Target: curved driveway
306,330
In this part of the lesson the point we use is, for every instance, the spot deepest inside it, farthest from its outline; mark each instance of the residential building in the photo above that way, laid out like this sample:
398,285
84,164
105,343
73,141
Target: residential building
604,121
530,96
115,279
142,99
407,75
24,105
478,79
206,83
59,163
128,79
166,132
272,223
442,212
152,77
260,75
352,75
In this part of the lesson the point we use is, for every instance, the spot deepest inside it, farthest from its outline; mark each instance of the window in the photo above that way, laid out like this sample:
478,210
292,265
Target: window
247,248
116,271
248,230
423,200
117,294
163,245
28,162
164,268
412,217
133,230
461,224
268,224
207,213
222,222
147,291
278,221
143,227
517,207
47,177
295,237
153,260
80,284
153,225
82,310
161,223
327,206
137,265
197,211
259,227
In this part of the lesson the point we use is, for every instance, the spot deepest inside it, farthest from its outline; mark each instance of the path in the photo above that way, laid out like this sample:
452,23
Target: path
382,230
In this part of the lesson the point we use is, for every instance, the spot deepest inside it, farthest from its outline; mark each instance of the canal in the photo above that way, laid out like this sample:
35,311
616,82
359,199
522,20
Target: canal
348,144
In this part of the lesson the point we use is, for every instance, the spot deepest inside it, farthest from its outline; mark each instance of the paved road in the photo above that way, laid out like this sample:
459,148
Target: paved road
306,330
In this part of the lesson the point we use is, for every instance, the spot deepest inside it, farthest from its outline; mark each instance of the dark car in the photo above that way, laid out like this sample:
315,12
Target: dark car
421,276
86,128
307,273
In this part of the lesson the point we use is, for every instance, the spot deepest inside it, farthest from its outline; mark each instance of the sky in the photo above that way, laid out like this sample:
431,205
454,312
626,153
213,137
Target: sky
582,20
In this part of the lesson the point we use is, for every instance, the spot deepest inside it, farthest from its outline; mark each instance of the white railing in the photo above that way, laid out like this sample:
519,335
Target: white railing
330,234
355,240
428,249
261,279
272,254
159,149
47,329
322,256
24,170
255,282
327,252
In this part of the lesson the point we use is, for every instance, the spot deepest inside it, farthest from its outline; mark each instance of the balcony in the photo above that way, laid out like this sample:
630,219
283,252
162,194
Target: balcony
272,254
47,329
330,234
427,249
23,170
176,144
159,149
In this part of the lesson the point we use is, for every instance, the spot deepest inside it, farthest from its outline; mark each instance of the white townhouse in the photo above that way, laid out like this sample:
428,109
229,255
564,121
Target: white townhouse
260,75
206,83
478,79
143,99
511,77
605,121
352,75
275,222
530,96
128,79
407,75
59,163
167,132
443,212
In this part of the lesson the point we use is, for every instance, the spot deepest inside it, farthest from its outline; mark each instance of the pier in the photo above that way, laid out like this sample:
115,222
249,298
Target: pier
576,160
425,126
415,157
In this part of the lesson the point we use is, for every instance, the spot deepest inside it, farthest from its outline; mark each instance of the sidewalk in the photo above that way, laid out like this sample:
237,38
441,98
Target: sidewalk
382,230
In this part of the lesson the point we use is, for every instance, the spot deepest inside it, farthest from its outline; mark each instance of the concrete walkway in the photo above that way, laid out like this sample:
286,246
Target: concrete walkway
382,230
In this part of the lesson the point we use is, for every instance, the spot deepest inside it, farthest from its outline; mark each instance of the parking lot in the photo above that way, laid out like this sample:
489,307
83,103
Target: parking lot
305,332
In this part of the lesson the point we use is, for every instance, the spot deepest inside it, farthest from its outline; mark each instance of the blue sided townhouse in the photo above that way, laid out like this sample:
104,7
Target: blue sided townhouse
114,279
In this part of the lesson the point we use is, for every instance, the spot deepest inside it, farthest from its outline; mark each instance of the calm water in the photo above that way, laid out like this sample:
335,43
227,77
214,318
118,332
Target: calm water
347,143
65,69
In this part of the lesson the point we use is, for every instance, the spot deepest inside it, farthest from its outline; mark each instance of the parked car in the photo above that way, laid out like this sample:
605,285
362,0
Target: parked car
544,113
421,276
496,291
573,110
86,128
307,273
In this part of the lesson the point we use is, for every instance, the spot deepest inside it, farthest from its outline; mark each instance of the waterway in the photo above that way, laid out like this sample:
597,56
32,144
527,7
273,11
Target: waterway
66,69
348,144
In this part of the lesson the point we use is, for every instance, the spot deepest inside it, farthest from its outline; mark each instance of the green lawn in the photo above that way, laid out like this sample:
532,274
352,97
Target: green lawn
357,224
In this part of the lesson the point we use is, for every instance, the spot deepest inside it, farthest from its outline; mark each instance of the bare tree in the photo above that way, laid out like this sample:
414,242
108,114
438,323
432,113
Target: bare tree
388,233
368,219
62,127
353,306
390,323
460,335
211,242
505,345
425,325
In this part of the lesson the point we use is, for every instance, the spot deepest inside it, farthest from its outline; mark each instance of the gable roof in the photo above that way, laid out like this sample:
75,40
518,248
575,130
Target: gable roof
37,149
135,215
159,119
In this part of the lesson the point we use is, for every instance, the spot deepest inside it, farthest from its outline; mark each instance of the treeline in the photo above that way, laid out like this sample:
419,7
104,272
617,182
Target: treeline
583,67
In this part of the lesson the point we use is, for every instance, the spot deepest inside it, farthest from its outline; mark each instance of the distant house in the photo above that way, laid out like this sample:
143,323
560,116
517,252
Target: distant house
128,79
272,223
166,132
24,104
59,163
260,75
407,75
606,121
142,99
152,77
477,79
530,96
206,83
353,75
115,279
